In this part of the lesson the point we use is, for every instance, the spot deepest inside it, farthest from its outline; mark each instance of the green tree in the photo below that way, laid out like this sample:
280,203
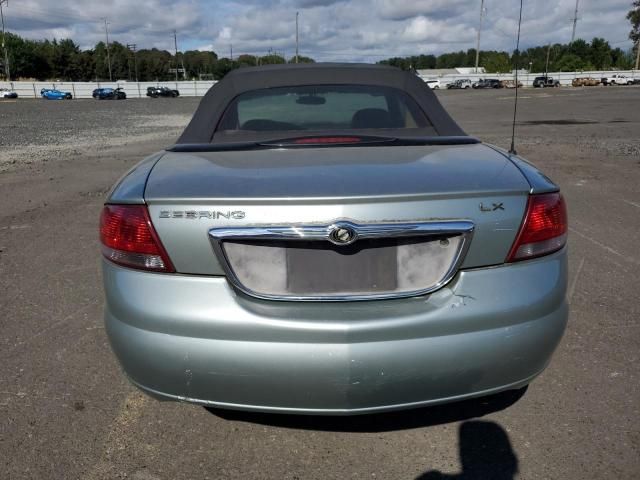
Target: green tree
272,59
224,66
198,63
496,62
302,59
570,62
247,60
600,54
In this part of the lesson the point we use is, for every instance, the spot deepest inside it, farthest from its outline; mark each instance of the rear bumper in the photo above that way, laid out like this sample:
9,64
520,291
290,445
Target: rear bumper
194,339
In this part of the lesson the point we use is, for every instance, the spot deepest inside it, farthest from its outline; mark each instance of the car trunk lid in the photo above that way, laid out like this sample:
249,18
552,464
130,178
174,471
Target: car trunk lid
192,197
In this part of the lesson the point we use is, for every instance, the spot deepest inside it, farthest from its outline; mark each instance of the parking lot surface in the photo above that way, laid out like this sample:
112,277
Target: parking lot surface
66,410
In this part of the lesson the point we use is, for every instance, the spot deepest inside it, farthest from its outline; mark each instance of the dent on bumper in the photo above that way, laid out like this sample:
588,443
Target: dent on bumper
194,339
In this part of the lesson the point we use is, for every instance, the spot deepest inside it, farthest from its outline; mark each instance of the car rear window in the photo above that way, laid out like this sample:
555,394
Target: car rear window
323,107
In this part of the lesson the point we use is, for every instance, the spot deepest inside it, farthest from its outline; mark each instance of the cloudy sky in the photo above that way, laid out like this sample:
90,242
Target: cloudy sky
330,30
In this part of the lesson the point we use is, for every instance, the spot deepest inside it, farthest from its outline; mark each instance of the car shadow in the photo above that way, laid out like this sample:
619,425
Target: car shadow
485,453
381,422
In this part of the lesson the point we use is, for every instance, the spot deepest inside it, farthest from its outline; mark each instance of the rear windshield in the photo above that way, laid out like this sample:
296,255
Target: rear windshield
323,107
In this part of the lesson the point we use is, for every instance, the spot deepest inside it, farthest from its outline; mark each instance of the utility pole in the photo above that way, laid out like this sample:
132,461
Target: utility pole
575,21
132,47
637,53
297,13
479,31
231,52
546,68
175,43
106,31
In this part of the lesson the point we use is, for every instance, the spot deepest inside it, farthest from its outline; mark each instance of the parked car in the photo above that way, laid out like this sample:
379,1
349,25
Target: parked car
510,83
545,81
53,94
617,79
334,243
155,92
487,83
585,82
6,93
433,84
109,94
461,83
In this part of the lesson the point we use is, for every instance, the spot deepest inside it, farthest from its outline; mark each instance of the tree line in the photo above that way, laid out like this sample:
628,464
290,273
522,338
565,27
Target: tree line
65,60
579,55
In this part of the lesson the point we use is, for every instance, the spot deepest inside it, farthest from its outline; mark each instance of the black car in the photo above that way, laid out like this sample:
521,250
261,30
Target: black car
541,82
109,94
488,83
155,92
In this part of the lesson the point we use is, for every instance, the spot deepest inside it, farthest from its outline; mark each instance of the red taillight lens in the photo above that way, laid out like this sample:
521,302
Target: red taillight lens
128,238
544,229
325,140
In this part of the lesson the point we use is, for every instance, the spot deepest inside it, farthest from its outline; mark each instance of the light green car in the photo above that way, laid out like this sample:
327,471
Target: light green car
325,239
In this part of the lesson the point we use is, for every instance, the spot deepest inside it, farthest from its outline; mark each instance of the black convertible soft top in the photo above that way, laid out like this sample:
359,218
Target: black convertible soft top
203,124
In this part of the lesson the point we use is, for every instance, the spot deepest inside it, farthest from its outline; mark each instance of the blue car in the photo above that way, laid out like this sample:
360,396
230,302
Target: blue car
109,94
51,94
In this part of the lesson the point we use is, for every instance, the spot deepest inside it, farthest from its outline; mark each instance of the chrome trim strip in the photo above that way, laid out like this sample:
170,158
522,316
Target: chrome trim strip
463,228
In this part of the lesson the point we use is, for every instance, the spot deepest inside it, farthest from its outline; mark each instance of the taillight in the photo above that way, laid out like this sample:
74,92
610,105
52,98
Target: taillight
544,228
128,238
326,140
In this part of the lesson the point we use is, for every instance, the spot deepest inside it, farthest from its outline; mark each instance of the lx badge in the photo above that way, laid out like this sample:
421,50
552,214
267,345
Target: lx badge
492,208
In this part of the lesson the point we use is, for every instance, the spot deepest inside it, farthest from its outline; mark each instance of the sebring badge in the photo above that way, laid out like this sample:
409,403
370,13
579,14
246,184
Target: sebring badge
342,235
196,214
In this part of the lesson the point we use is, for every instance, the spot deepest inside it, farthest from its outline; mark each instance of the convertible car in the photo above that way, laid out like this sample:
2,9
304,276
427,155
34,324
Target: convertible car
51,94
325,239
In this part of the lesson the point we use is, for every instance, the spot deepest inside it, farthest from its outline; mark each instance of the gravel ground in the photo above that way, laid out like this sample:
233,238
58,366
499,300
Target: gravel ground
66,411
42,131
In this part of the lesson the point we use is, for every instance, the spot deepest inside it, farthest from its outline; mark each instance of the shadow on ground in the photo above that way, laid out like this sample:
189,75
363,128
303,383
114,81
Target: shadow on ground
382,422
485,453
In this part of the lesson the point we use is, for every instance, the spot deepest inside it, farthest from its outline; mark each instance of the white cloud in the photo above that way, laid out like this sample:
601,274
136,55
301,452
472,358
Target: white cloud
342,30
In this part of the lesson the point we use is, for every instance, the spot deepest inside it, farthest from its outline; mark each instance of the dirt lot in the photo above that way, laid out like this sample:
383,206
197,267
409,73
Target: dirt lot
66,411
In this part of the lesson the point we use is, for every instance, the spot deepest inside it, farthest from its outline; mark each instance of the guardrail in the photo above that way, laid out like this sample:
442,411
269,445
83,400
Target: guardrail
196,88
526,79
85,89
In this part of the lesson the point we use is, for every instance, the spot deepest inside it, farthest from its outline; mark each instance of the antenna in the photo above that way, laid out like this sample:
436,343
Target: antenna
512,150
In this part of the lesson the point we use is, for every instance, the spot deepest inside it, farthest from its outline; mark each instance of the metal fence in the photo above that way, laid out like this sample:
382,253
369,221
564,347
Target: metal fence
199,88
85,89
526,79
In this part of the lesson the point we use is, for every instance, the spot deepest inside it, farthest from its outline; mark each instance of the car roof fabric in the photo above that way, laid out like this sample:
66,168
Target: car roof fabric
212,106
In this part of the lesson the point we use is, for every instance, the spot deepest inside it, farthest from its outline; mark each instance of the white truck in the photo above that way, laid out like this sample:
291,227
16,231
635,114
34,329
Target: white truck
433,84
617,80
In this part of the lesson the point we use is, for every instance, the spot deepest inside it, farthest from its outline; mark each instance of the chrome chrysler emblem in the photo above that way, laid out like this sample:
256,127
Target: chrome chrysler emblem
342,235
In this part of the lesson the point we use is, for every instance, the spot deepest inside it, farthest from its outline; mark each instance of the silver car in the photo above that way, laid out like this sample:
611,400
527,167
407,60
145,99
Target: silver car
325,239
